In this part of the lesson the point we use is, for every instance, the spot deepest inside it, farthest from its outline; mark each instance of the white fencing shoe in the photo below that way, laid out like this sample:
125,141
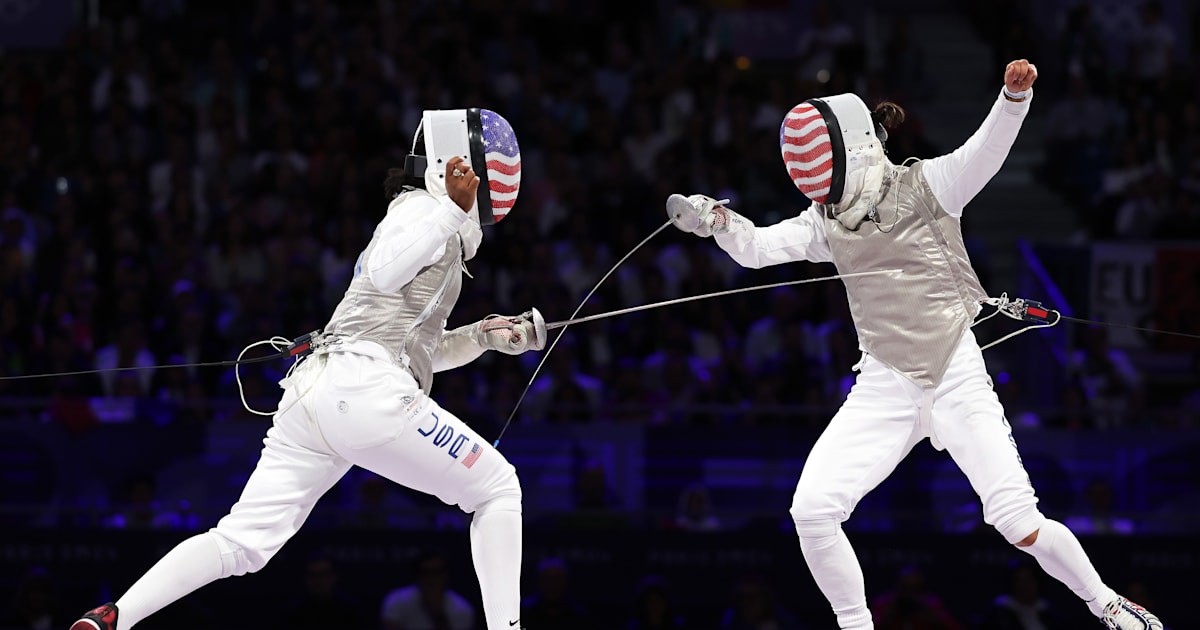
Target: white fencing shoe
1122,614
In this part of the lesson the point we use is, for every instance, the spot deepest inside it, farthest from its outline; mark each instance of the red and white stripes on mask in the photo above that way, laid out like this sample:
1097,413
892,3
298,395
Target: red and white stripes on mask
807,151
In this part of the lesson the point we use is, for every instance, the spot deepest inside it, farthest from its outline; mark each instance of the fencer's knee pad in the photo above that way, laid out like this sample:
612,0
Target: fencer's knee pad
813,505
503,493
817,528
1019,525
235,559
502,503
817,516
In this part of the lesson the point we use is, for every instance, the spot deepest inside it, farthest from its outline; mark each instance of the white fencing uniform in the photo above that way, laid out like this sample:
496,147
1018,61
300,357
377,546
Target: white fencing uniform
364,401
921,365
922,374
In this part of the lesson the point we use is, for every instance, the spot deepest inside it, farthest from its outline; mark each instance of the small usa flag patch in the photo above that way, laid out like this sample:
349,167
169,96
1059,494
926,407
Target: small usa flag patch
473,456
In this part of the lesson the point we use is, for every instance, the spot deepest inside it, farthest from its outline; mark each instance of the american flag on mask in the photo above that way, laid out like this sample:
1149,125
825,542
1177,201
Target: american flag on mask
503,158
807,151
473,456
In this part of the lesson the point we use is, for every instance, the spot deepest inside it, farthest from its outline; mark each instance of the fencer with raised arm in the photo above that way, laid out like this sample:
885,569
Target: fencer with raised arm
922,374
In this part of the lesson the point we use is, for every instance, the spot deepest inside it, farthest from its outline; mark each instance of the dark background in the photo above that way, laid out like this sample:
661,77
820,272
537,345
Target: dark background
179,179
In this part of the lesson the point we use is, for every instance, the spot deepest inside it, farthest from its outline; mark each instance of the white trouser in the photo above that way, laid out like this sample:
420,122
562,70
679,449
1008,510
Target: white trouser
345,409
886,414
339,410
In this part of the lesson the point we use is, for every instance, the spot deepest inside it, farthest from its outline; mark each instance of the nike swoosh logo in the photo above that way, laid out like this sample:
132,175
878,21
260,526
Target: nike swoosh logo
513,623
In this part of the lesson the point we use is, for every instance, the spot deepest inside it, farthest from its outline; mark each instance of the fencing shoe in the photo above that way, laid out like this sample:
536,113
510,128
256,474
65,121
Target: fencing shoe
1122,614
105,618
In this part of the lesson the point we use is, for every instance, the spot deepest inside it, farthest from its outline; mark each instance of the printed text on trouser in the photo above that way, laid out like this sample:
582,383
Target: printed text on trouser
444,436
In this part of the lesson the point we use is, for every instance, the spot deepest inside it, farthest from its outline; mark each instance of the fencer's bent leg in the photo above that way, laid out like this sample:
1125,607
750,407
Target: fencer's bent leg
969,421
295,469
190,565
1061,556
496,552
400,433
871,433
278,498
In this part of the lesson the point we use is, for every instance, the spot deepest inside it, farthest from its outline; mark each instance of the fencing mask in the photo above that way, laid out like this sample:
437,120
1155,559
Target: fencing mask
482,137
834,155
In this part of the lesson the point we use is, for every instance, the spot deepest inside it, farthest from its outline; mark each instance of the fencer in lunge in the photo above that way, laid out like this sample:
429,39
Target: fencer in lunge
922,374
363,397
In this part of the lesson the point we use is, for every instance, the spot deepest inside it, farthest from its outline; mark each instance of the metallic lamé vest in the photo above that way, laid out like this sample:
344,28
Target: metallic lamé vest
409,322
913,321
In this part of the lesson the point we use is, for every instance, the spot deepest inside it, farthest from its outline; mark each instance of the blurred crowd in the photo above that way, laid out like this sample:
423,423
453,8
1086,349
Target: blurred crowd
1121,141
1123,134
180,182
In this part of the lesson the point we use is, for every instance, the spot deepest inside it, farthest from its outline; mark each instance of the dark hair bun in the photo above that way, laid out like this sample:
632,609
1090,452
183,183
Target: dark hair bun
888,114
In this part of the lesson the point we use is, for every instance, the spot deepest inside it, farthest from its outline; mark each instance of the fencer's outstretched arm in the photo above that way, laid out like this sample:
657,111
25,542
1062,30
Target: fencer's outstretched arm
507,334
798,238
955,178
414,235
457,348
801,237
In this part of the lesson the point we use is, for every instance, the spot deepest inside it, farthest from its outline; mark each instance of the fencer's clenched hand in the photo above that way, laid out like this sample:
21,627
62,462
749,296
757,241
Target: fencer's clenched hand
461,183
513,335
1019,75
698,214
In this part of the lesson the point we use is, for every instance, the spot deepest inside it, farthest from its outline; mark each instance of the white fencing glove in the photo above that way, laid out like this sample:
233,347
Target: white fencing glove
512,335
699,214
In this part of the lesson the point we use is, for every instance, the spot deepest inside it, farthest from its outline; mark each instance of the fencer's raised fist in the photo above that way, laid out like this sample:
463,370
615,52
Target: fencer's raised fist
699,214
513,335
1019,75
461,183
